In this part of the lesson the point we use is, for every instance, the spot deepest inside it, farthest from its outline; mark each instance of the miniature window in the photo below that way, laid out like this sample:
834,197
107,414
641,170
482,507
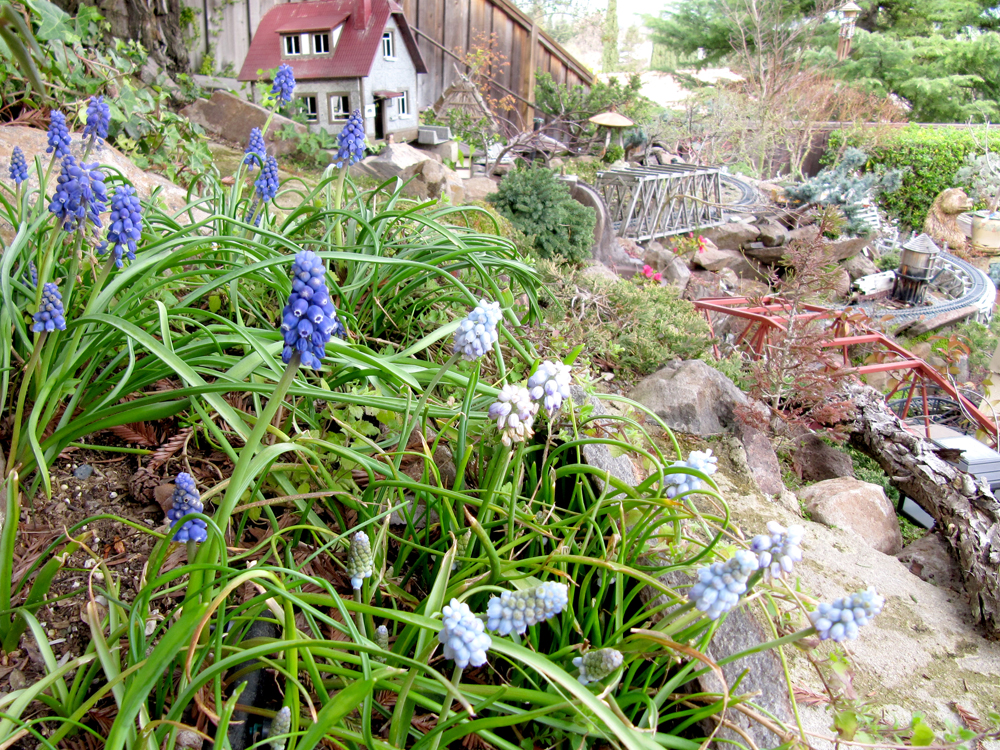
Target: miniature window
321,44
340,107
308,107
293,46
388,46
403,104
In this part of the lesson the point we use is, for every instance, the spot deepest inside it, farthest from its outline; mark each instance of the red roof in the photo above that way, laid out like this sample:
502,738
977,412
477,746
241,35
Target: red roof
356,48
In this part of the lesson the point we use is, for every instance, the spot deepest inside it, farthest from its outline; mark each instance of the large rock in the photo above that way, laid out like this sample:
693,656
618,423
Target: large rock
430,180
231,117
770,254
675,271
713,258
772,234
859,507
859,266
690,397
761,459
930,559
34,142
392,161
479,188
599,455
816,461
732,236
843,249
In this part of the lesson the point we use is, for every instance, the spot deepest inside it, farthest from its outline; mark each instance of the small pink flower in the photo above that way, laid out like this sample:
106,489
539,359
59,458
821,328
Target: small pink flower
647,271
657,277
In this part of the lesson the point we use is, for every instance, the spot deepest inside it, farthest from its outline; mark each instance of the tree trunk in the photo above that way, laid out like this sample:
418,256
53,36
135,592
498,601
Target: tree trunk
966,512
154,23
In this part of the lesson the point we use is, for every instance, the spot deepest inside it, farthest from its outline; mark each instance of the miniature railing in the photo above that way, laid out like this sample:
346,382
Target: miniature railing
650,202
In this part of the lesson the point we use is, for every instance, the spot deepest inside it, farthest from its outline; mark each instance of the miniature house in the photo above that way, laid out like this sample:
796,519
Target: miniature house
346,55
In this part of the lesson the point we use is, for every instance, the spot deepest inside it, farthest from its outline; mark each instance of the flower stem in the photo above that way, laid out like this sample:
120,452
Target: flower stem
21,396
456,680
359,614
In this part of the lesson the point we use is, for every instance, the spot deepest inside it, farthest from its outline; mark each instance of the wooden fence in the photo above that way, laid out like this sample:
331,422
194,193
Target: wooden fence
443,27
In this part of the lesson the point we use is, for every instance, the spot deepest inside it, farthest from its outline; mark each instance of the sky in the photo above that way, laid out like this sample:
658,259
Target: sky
629,11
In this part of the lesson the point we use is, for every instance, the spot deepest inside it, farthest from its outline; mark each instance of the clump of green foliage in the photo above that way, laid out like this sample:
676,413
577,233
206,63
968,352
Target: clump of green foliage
632,326
613,154
930,158
540,206
842,186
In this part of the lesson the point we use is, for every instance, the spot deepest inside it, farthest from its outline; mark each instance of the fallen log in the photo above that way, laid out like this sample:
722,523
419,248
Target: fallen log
967,513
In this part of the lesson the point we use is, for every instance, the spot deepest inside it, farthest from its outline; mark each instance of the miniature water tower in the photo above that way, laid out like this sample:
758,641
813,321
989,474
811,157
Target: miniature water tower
918,263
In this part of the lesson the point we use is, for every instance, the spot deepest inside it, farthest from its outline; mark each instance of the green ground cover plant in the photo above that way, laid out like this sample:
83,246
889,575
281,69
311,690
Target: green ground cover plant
330,343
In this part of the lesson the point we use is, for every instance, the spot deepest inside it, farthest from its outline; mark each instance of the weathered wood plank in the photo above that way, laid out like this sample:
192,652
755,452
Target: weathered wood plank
456,34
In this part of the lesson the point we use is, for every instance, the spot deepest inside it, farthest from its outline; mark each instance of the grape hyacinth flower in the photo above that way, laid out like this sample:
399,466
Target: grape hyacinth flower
778,551
463,636
256,146
514,412
284,84
125,225
551,383
516,611
58,135
98,120
80,195
720,584
32,274
598,664
461,547
840,620
478,332
382,641
186,500
309,319
50,315
280,724
267,187
18,166
351,140
702,461
359,559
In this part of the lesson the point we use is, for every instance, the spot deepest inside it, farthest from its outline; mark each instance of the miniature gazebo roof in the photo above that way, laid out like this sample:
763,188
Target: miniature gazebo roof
922,244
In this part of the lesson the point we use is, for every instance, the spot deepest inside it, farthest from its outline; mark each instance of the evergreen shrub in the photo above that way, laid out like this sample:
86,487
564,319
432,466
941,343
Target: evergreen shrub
540,206
930,156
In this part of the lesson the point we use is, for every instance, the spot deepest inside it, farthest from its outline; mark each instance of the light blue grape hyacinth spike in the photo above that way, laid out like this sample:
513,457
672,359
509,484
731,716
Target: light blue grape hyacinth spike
516,611
702,461
721,584
359,559
779,549
598,664
478,332
550,385
839,621
280,724
382,641
514,412
463,636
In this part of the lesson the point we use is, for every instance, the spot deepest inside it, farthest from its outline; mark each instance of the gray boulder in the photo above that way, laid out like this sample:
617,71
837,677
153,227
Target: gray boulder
859,507
479,188
690,397
735,235
859,266
772,234
599,455
432,180
816,461
930,559
231,117
392,161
